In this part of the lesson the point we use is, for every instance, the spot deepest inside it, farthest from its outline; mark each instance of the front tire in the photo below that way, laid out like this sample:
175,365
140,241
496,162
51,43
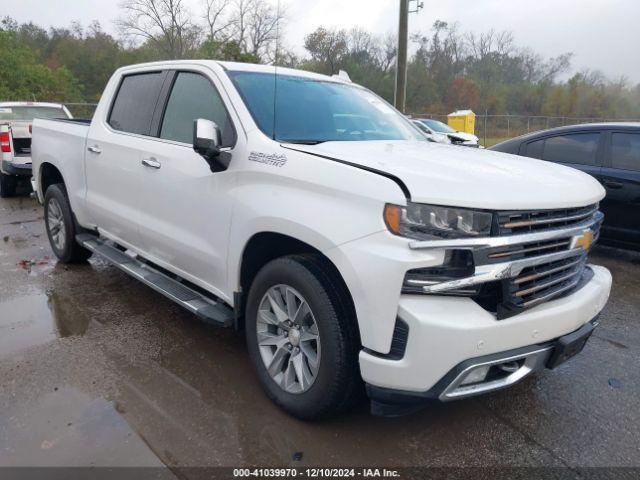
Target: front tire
302,338
8,185
61,227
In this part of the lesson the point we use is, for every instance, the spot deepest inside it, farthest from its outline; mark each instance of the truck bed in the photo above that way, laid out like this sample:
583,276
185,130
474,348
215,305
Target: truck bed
61,142
81,121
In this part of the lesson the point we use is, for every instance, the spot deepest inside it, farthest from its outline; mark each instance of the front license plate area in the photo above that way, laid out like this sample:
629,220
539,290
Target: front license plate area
570,345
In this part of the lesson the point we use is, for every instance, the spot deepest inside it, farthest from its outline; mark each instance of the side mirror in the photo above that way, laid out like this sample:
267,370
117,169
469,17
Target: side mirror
206,138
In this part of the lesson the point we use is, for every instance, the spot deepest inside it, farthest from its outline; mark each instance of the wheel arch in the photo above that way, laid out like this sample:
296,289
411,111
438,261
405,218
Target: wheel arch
48,175
266,246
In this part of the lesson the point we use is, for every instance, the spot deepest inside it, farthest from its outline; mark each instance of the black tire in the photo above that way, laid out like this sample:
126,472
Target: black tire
7,185
337,385
65,246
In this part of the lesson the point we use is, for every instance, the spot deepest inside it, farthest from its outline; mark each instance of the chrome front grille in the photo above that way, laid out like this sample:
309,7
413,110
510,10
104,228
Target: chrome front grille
532,257
539,284
516,222
525,250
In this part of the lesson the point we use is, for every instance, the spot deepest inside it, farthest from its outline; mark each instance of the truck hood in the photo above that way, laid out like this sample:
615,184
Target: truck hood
466,177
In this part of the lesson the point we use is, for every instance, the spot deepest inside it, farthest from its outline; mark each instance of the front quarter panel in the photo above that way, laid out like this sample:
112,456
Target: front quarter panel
321,202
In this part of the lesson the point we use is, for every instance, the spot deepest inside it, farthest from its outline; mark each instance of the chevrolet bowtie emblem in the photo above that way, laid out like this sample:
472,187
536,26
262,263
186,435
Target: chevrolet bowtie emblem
583,241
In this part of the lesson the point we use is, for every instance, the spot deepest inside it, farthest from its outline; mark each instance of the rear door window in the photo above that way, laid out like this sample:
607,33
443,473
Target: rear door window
193,96
135,103
625,151
577,148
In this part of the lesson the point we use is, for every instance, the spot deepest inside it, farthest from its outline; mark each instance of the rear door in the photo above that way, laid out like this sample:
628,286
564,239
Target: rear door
186,208
621,178
115,146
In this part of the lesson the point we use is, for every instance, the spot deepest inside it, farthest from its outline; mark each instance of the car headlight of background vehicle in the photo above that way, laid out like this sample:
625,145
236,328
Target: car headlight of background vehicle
433,222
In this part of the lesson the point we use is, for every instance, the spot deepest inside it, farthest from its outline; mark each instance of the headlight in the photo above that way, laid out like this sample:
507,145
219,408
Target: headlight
433,222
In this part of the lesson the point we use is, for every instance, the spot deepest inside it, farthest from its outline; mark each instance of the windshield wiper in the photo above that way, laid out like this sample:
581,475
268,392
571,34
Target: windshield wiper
304,142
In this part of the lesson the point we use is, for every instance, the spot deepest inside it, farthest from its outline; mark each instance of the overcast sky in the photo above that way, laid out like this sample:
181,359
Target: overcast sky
603,34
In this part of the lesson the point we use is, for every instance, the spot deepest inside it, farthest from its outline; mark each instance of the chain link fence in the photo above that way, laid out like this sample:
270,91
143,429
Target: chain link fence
493,129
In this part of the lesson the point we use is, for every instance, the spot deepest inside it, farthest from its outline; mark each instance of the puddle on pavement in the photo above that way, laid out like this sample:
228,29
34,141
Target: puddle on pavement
37,319
70,428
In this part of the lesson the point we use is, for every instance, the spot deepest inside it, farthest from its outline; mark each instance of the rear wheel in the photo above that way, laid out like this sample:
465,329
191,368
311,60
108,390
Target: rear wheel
302,338
61,227
7,185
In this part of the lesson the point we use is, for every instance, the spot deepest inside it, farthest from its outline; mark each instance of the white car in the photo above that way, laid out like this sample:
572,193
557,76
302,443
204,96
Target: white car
430,135
349,255
435,127
16,119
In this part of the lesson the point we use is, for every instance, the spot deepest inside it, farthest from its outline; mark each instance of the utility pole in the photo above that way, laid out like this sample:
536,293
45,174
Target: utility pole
401,68
403,45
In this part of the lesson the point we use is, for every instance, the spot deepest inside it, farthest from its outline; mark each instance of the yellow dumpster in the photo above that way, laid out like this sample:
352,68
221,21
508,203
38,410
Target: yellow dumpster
463,121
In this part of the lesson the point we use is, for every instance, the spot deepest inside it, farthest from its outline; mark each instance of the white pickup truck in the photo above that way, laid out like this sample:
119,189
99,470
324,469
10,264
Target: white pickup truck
308,212
16,120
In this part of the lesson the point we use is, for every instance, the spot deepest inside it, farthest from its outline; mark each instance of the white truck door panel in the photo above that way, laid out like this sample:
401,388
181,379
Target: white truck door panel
185,213
115,147
113,183
185,208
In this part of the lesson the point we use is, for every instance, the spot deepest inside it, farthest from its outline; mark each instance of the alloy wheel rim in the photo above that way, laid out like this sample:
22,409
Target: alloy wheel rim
55,222
288,339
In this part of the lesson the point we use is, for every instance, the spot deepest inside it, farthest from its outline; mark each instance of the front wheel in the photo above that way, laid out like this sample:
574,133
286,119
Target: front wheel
61,227
302,338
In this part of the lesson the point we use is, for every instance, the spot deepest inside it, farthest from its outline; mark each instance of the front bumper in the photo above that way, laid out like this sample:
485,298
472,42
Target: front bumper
18,169
508,369
445,331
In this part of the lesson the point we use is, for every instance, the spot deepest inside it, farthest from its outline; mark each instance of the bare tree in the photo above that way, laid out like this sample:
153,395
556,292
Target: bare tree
388,52
360,40
241,15
265,24
491,43
218,21
164,23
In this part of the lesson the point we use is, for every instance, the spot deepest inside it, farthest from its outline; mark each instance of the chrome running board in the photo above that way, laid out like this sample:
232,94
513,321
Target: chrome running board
209,309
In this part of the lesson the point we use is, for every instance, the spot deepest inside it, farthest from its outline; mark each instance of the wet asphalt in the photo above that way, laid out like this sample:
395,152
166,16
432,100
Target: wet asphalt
98,370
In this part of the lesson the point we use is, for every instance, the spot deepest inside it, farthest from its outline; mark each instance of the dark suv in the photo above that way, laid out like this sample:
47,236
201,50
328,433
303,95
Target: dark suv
608,151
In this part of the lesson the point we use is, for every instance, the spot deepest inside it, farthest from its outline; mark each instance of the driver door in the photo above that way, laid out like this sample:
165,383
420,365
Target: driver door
185,208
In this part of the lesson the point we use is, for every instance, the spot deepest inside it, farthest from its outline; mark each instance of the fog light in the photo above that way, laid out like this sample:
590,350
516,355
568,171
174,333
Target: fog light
476,375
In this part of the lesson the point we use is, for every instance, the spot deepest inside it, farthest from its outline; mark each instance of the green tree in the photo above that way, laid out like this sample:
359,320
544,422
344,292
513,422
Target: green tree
227,51
24,78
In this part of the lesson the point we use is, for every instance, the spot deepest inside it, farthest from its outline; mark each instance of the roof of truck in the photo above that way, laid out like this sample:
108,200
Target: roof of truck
252,67
241,67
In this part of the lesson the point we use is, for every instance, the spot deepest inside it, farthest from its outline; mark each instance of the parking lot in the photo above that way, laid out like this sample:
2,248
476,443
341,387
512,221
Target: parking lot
97,369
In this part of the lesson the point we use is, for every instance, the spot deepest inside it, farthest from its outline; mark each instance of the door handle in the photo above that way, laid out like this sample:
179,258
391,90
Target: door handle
151,163
95,149
613,185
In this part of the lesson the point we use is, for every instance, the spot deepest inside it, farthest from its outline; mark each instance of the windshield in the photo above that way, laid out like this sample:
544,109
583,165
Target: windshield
438,126
313,111
27,114
422,127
